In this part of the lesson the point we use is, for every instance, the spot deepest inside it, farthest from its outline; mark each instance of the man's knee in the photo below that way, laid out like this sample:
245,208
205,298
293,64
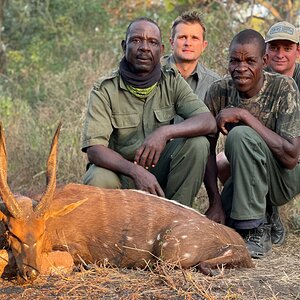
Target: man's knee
102,178
223,167
197,147
239,132
240,136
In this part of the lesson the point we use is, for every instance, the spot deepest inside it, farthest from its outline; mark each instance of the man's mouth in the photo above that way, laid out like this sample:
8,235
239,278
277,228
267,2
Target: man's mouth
279,61
143,58
241,79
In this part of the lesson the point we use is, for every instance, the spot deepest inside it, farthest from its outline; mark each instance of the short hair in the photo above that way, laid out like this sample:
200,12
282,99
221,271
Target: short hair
142,19
192,16
247,36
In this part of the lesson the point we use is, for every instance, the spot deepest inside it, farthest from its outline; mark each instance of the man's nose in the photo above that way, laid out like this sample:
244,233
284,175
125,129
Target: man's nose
280,52
241,67
144,45
187,41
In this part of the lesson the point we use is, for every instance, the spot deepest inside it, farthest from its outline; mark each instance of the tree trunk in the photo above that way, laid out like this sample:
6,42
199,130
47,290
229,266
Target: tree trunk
2,45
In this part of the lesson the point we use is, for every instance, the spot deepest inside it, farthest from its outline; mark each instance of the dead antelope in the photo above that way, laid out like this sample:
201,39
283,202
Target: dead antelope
126,228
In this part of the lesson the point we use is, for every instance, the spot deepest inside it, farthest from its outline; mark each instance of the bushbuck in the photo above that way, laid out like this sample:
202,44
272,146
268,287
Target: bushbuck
126,228
52,263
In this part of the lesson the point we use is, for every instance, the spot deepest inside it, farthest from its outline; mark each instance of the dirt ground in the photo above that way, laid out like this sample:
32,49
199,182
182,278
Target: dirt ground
274,277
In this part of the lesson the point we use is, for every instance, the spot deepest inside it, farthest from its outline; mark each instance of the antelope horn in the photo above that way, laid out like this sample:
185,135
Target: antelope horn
42,207
5,192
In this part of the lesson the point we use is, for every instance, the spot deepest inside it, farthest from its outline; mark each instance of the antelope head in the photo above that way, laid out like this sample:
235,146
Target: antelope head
24,218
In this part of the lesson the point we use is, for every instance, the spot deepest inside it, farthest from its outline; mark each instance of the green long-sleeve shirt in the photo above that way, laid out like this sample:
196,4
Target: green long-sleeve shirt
119,120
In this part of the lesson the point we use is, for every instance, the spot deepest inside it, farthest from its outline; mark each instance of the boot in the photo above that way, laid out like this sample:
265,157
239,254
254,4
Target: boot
277,228
258,241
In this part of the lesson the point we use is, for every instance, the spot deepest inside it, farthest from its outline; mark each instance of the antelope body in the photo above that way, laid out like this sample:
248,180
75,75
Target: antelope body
126,228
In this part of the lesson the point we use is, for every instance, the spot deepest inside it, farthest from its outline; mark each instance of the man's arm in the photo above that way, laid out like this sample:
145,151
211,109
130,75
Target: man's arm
286,151
199,125
107,158
215,211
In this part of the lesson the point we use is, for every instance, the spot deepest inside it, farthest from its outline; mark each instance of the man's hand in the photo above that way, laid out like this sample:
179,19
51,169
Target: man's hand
231,115
150,151
146,181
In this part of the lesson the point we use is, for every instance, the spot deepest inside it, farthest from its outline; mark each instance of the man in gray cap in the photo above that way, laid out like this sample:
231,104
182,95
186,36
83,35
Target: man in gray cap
282,41
282,49
128,133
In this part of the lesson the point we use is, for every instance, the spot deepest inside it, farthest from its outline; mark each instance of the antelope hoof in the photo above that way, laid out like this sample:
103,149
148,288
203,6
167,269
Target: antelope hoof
208,271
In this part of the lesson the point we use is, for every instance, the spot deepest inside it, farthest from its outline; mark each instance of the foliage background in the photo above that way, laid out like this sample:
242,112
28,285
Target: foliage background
51,52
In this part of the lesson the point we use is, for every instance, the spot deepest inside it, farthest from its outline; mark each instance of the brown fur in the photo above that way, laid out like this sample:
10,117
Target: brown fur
126,228
129,227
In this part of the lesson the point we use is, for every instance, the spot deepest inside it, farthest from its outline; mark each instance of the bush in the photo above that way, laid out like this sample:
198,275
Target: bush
29,130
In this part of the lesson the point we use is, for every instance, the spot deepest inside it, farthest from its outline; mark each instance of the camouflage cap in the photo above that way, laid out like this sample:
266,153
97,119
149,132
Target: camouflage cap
282,31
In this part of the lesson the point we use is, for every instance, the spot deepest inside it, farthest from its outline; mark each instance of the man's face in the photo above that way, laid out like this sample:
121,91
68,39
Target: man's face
246,68
282,55
143,47
188,43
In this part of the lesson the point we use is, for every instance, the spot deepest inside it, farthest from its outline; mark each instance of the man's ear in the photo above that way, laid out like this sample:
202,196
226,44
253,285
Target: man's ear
298,51
205,44
265,60
162,49
123,45
171,42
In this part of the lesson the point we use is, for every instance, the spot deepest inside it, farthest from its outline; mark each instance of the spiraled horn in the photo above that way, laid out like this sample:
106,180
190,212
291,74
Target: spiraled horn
43,205
5,192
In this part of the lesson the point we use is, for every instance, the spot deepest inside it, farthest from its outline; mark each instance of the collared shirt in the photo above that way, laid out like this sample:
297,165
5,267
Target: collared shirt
296,75
119,120
200,79
276,105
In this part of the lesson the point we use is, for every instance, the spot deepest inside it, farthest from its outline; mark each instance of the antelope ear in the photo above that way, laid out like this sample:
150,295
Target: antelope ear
3,209
65,210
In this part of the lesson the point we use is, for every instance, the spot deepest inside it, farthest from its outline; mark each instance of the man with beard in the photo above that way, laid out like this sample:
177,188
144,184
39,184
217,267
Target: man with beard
128,133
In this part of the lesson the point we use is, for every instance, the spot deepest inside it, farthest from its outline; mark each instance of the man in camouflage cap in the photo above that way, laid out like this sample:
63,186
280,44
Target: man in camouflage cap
260,114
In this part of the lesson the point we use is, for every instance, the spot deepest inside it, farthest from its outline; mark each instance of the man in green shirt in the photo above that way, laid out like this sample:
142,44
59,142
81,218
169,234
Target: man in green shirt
260,114
282,51
128,133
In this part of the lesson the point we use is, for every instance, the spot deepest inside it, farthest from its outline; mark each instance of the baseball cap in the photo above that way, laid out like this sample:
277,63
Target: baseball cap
282,31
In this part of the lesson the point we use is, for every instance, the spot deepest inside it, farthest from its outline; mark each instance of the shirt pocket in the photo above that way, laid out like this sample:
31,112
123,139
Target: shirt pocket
164,115
125,128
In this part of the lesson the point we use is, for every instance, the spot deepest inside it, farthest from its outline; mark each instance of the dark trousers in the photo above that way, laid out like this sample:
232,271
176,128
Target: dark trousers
179,171
257,178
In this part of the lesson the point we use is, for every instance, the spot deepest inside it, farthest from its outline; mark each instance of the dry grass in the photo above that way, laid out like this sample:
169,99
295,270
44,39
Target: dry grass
29,133
274,277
